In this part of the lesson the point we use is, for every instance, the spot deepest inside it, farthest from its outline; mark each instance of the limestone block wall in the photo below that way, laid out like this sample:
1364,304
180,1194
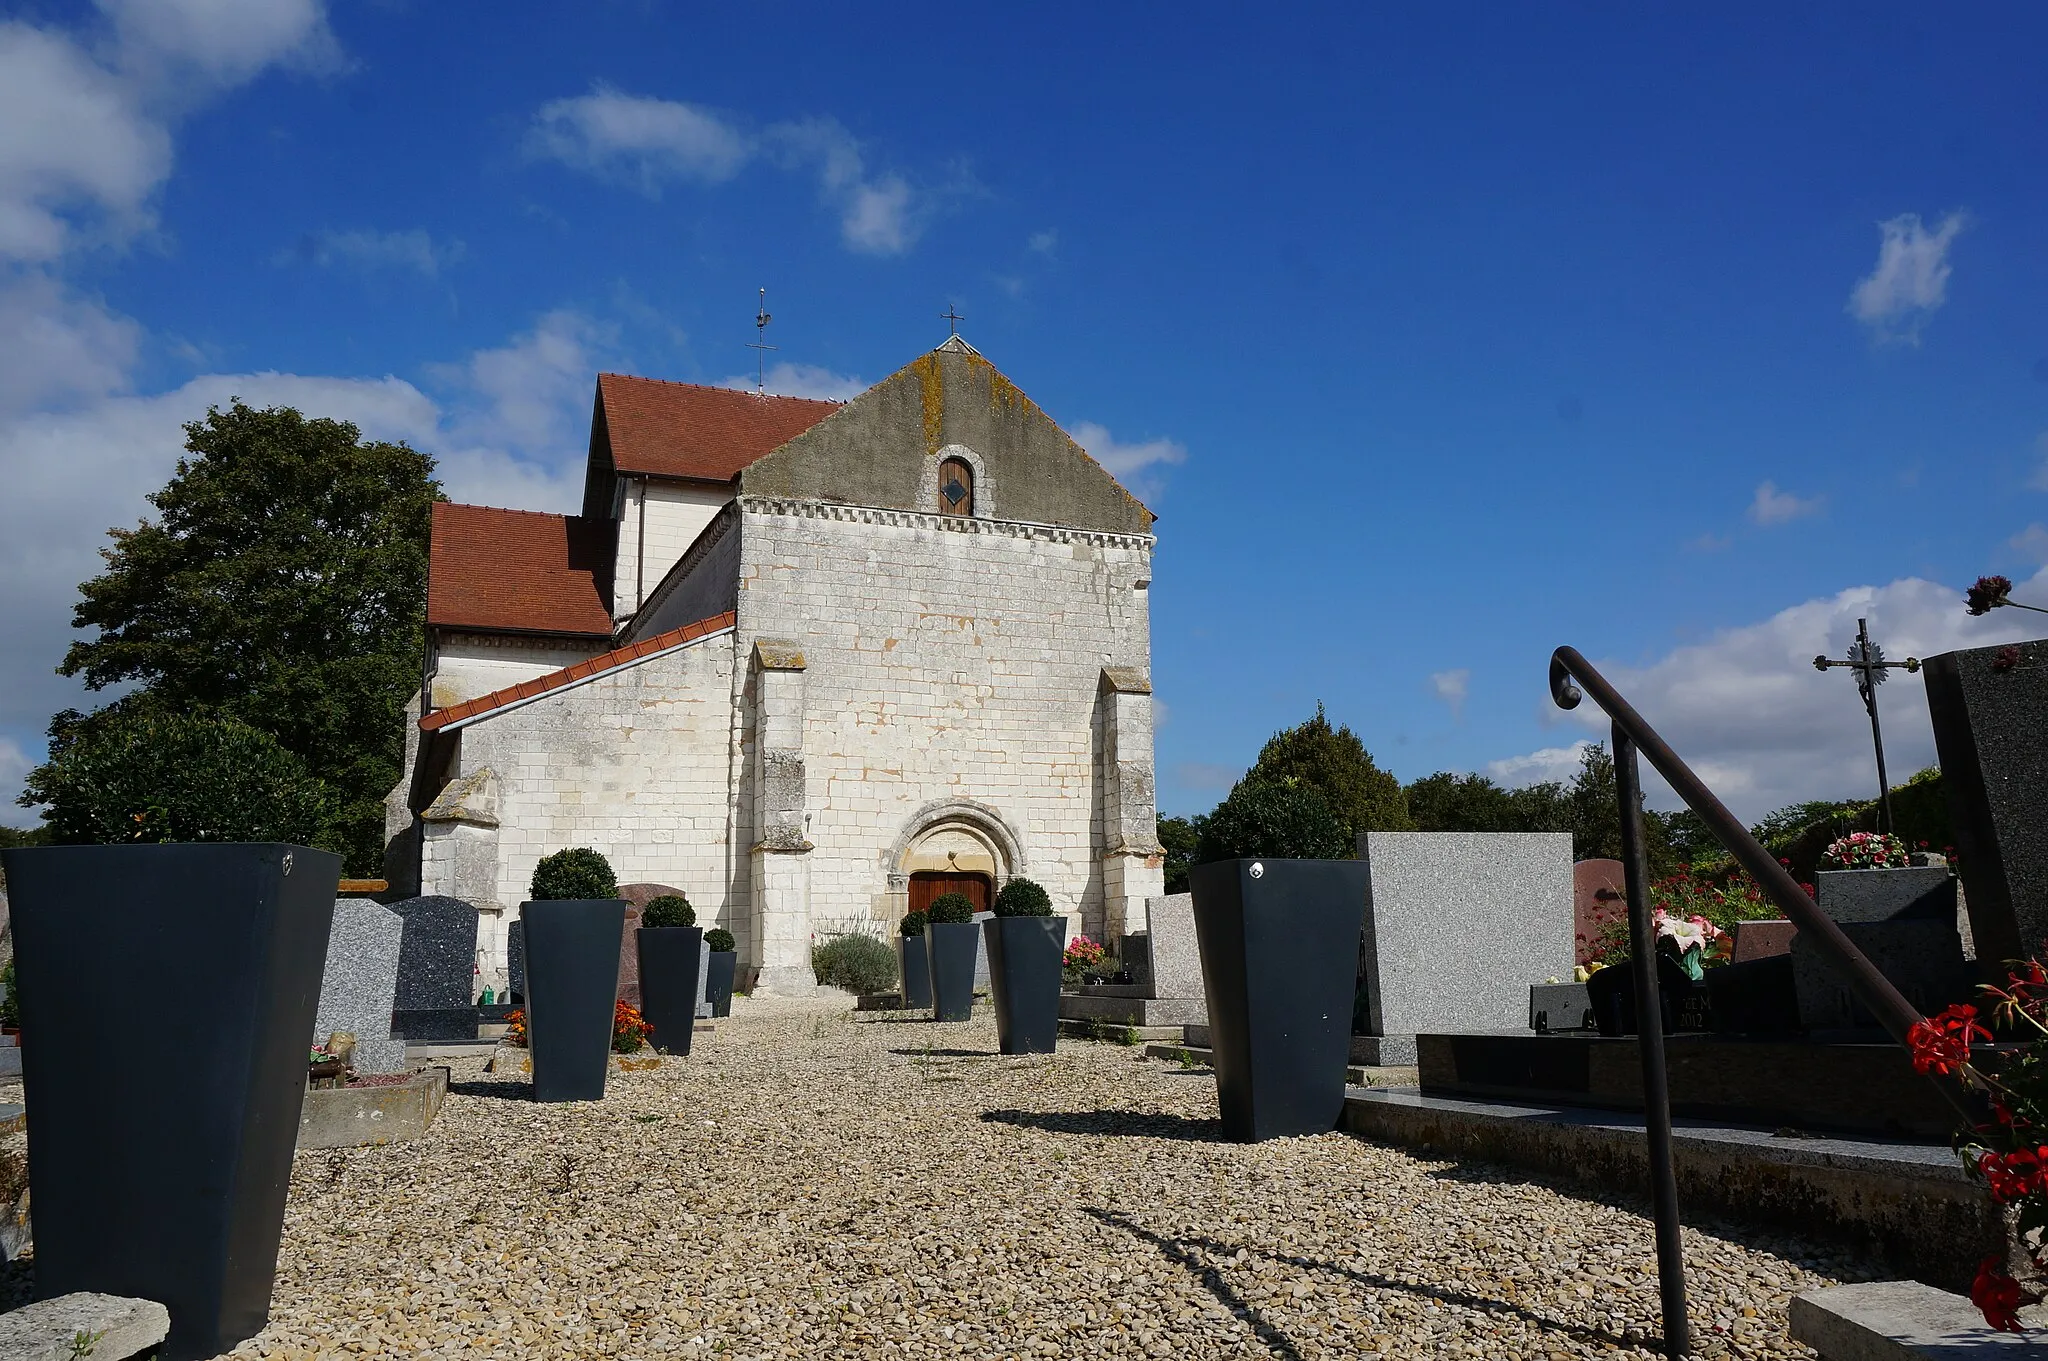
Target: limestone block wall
946,659
470,664
636,762
703,586
674,514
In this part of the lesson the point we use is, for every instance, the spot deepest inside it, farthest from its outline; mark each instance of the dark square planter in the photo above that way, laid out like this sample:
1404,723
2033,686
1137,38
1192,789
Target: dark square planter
1025,955
718,986
572,985
915,970
1686,1004
669,957
950,949
166,1181
1279,941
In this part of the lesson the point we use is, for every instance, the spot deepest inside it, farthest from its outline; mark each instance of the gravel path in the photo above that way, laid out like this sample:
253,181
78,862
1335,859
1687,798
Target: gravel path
816,1183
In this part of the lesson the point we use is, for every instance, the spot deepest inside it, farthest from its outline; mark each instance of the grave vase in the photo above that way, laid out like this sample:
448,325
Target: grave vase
718,989
1686,1002
1026,956
1279,942
951,949
166,1180
669,958
572,980
915,971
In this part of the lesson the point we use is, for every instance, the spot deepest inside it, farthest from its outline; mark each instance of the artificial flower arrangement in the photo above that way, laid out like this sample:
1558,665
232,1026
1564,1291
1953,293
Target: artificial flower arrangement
629,1030
1693,941
1082,955
2009,1152
515,1027
1865,851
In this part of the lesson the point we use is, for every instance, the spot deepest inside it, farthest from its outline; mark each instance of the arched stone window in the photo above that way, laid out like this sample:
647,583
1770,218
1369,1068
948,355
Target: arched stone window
956,487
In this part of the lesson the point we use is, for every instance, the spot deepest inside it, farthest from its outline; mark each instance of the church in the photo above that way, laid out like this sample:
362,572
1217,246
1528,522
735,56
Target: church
811,662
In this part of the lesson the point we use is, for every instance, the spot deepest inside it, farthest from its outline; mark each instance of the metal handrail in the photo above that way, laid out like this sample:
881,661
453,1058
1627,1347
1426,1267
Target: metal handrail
1897,1015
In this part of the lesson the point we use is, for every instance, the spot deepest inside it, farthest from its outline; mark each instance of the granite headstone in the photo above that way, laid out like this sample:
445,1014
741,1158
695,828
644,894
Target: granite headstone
515,962
1457,926
1599,897
1987,706
1904,922
436,971
637,897
361,981
1176,955
704,1006
1762,939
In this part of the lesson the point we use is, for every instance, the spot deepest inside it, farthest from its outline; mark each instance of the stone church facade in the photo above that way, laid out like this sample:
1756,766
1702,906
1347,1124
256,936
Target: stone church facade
811,663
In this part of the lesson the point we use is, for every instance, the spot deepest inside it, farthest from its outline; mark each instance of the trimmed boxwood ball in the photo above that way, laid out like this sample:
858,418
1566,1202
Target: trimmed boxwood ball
670,909
950,908
857,962
913,924
1023,898
720,940
571,874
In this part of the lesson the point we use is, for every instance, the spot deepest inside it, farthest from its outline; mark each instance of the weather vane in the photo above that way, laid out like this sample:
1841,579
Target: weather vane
1866,659
761,320
952,317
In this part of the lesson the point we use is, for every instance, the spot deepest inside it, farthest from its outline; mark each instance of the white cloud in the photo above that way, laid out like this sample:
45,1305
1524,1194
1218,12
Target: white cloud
1774,507
1138,466
219,42
1201,775
531,396
1451,688
368,249
647,142
1749,713
1550,763
2039,481
1911,278
638,139
14,767
803,380
56,346
1045,242
2031,543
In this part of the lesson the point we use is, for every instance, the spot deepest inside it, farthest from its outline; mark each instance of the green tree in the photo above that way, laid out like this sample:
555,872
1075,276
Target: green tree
1179,838
1445,802
282,584
1594,802
1334,763
177,777
1275,818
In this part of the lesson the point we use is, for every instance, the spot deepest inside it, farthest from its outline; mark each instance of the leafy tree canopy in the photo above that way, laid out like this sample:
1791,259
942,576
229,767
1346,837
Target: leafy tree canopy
1274,818
282,584
1444,802
1336,765
143,776
1179,838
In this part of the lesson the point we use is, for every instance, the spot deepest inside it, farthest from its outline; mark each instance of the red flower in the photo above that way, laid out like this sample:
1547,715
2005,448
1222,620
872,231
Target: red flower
1988,594
1942,1043
2013,1176
1997,1295
2006,658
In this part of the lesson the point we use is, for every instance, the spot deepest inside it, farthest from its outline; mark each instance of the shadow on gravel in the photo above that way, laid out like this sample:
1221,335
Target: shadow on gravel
491,1090
948,1053
17,1283
1129,1124
1191,1253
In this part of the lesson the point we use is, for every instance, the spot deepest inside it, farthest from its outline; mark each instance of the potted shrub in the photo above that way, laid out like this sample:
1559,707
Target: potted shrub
912,966
571,927
167,1180
1279,942
724,960
1027,948
949,953
671,947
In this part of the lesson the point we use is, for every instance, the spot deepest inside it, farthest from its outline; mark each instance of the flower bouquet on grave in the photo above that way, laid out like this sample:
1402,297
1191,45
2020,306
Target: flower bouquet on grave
1692,941
1082,955
1865,851
515,1027
629,1030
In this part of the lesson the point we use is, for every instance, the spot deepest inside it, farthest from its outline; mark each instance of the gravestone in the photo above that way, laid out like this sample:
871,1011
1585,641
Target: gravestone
1987,705
704,1007
1176,956
981,983
1599,896
1457,926
436,971
1764,939
515,961
637,897
1165,966
1904,922
359,986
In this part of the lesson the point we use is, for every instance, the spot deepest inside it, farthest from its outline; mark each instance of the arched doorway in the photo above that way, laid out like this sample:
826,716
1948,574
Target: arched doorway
953,847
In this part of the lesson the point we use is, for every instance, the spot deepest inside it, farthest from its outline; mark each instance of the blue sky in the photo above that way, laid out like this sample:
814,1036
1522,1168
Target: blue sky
1436,338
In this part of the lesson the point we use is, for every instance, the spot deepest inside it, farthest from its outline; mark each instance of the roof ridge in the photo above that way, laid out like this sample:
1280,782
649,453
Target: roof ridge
510,510
716,387
576,671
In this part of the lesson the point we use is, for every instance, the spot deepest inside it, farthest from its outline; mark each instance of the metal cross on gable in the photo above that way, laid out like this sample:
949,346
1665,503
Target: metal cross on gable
1866,659
952,317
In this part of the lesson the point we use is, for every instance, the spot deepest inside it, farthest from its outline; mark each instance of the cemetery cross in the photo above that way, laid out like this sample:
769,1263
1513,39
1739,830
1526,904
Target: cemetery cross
1866,659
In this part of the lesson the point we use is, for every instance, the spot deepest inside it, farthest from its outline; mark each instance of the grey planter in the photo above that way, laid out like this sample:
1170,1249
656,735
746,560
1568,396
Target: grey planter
572,986
1279,943
1025,960
228,941
669,959
950,952
914,968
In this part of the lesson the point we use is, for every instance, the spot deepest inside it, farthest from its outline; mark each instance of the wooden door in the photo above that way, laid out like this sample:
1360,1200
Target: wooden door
926,885
956,487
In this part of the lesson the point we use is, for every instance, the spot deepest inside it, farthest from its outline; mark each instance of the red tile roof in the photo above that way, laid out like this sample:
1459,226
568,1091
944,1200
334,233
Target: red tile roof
518,569
669,429
583,670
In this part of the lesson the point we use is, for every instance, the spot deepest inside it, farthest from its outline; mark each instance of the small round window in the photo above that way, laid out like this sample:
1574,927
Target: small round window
956,487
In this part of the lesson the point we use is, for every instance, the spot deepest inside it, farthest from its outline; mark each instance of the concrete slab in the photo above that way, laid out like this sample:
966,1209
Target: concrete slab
49,1330
1900,1320
1909,1203
356,1117
450,1049
1125,1007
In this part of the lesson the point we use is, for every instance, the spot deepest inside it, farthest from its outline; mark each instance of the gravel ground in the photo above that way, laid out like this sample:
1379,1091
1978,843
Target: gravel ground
812,1182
